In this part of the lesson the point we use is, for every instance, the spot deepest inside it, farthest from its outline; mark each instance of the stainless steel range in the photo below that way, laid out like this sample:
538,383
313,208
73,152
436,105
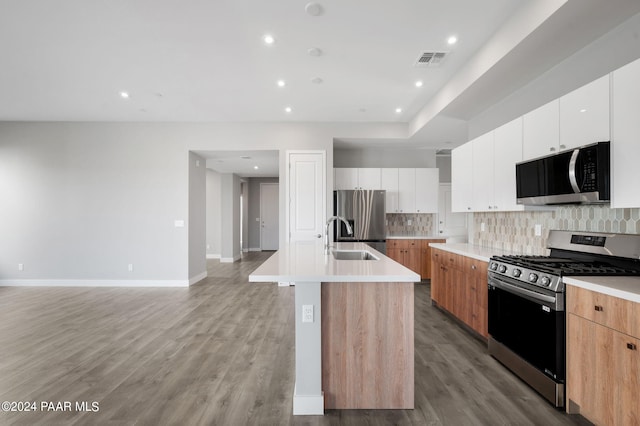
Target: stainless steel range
527,302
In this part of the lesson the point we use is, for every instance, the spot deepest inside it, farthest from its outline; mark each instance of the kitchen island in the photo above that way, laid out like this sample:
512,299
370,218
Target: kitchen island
354,327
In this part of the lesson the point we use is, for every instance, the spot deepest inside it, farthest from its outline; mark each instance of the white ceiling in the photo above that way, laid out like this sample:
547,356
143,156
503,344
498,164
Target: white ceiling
243,163
205,61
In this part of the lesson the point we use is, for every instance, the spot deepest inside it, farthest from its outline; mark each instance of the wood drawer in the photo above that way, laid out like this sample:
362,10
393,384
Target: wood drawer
400,244
613,312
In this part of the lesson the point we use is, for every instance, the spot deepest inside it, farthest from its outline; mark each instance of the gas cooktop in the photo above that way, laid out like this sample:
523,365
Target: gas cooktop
564,266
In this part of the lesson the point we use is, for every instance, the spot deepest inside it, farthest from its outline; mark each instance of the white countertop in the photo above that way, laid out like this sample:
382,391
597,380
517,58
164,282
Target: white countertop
470,250
623,287
305,261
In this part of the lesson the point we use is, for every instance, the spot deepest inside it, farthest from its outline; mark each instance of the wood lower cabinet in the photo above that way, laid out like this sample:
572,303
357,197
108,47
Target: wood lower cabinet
603,363
415,254
459,285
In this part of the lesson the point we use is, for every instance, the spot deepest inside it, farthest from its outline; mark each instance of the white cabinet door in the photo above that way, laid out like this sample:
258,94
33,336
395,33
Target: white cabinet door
449,223
461,178
427,185
345,178
541,131
407,190
507,144
584,115
482,172
389,182
625,136
369,178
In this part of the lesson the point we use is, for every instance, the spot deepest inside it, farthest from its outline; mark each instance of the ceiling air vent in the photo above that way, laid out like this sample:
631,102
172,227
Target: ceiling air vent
430,59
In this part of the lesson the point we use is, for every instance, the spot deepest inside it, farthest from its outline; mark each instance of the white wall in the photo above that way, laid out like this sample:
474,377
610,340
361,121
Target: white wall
84,200
443,163
378,157
214,223
197,218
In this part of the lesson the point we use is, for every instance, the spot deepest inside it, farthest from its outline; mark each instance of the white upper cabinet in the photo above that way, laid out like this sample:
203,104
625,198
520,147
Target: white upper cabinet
461,178
541,131
507,143
427,189
625,136
407,190
389,182
345,178
584,114
369,178
482,172
352,178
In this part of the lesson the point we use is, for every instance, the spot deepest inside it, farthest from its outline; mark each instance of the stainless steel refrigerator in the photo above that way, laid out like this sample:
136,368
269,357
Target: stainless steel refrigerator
365,212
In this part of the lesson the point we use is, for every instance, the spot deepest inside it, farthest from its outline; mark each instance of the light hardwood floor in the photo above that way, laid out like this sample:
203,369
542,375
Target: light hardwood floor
222,353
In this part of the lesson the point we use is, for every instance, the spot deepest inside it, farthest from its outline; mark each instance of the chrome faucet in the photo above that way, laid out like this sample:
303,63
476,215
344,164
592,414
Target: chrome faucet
326,230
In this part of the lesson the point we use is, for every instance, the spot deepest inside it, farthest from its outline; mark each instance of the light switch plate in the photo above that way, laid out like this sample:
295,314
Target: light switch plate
538,230
178,223
482,227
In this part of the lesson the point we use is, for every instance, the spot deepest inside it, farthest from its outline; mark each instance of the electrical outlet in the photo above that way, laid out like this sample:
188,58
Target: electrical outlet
208,246
197,163
538,230
482,227
178,223
130,267
307,313
20,266
409,222
257,219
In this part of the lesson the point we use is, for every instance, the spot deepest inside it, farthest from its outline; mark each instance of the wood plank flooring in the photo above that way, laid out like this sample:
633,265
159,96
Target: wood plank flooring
222,353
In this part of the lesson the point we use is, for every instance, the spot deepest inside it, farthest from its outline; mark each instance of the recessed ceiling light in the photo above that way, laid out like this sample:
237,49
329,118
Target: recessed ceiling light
281,83
255,167
288,109
314,51
268,38
583,110
398,110
452,40
419,83
314,9
124,95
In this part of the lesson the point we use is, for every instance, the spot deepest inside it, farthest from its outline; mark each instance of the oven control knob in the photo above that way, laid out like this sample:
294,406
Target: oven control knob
494,266
533,277
503,269
517,272
545,281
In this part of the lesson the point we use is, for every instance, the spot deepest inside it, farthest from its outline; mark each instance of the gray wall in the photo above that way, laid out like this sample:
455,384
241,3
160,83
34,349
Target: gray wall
197,216
214,223
443,163
230,217
377,157
244,189
254,210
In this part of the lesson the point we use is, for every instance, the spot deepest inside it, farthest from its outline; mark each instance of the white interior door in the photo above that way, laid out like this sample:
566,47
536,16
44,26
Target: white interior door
307,194
269,216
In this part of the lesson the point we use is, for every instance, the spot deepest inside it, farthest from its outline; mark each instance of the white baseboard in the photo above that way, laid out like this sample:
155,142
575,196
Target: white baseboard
308,405
245,250
284,283
230,259
255,249
198,278
213,256
94,283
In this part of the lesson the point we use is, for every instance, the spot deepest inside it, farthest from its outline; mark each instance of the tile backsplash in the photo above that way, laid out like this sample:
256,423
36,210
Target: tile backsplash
515,231
410,224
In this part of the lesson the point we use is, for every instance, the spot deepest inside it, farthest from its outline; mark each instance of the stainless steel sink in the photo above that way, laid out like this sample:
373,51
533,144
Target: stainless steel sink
353,255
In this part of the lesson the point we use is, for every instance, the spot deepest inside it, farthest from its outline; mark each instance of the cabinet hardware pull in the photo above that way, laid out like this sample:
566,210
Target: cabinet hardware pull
598,308
631,346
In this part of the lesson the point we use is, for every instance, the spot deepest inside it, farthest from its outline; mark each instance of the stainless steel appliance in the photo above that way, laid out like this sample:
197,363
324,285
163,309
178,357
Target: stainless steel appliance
365,212
527,304
577,176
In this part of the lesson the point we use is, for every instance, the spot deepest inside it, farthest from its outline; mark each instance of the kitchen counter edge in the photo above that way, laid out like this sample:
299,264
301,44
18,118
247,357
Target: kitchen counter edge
627,288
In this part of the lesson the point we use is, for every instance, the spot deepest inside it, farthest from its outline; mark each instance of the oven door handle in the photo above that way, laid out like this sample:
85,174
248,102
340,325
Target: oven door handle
496,282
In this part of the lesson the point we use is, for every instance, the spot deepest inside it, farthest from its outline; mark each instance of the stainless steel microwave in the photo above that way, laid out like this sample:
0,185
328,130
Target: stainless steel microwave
576,176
